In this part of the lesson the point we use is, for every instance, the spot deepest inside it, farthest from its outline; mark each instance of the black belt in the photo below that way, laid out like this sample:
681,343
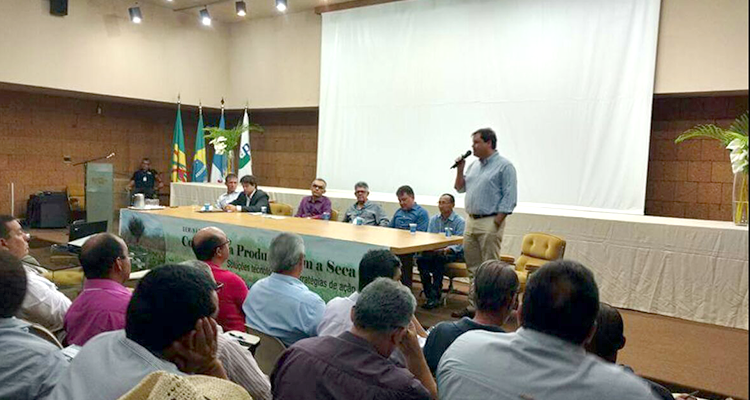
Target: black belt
477,216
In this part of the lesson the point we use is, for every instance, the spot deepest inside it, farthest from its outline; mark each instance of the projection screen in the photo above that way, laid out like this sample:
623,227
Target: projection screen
567,86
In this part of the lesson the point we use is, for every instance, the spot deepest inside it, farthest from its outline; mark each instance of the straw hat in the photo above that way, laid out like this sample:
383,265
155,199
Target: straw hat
161,385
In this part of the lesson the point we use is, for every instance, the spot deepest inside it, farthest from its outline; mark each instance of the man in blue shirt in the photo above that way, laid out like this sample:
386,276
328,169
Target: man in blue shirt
31,366
491,195
281,305
432,263
409,213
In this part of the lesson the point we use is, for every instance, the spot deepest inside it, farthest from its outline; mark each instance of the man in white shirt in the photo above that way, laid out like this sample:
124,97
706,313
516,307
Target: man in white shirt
374,264
545,358
169,327
43,304
232,192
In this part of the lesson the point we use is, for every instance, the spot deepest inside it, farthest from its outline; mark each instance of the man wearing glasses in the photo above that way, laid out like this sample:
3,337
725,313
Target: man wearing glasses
102,305
316,205
365,212
211,246
43,304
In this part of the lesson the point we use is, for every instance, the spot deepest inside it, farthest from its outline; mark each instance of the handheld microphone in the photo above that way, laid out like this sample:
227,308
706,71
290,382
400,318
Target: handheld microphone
463,157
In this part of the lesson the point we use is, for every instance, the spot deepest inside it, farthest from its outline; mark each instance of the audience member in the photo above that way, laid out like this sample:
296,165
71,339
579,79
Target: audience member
239,363
495,294
337,318
232,191
409,213
146,180
281,305
168,327
43,304
251,199
609,339
316,205
432,263
211,246
545,355
491,194
102,304
30,366
355,364
368,212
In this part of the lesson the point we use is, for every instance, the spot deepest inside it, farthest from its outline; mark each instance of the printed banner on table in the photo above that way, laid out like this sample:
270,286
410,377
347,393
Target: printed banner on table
331,266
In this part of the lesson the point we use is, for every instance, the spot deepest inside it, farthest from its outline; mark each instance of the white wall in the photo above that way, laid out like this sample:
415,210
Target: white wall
703,46
275,62
96,49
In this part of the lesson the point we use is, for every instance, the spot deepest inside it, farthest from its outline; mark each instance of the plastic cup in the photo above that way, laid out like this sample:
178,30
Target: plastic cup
358,221
413,228
206,207
264,210
448,232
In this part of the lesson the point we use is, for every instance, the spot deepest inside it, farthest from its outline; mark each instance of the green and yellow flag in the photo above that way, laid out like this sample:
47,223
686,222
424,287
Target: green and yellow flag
200,172
179,161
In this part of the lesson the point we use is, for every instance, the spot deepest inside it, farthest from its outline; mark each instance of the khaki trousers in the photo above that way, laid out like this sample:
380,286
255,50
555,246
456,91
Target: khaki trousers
482,242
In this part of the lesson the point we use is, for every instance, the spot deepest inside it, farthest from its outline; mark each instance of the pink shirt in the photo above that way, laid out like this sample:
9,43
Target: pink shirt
231,296
100,307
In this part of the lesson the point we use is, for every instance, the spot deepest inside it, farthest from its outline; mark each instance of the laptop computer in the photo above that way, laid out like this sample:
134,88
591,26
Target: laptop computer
78,231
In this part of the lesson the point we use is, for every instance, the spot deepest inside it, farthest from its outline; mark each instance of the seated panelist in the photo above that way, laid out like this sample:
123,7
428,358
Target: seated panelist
316,205
251,199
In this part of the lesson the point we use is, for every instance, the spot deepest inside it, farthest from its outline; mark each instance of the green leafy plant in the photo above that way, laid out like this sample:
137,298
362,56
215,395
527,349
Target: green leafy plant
231,136
733,138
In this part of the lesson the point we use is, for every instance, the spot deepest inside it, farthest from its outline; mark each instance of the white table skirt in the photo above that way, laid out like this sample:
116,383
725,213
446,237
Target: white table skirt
690,269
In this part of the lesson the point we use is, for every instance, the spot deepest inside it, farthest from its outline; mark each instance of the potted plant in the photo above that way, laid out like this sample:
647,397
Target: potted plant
226,141
734,139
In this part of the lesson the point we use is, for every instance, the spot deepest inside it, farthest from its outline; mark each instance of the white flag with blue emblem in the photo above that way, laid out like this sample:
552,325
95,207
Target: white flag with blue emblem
246,160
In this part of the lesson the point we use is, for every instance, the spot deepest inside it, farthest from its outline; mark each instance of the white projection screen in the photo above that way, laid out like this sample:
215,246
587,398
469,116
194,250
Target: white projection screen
567,86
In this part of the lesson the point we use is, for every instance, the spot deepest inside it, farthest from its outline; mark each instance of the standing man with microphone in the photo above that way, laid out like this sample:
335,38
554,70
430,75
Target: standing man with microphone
491,195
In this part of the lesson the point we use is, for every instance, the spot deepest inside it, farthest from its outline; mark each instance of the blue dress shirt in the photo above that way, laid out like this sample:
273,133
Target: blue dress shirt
283,307
31,366
417,215
456,223
490,186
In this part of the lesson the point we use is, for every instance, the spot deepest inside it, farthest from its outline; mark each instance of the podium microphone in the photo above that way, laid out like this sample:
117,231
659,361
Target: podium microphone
463,157
110,155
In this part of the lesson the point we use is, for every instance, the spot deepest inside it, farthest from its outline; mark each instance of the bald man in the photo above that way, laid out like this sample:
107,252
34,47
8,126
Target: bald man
211,246
102,305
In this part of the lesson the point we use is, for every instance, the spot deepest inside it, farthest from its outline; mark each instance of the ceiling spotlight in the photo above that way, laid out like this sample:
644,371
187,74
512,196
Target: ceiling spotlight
281,5
135,14
241,8
205,18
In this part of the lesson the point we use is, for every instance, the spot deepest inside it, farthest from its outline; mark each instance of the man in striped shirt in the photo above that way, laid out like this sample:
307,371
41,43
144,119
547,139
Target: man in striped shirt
491,195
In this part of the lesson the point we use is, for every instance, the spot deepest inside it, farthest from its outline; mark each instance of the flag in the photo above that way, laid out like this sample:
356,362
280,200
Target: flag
200,173
246,164
219,162
179,161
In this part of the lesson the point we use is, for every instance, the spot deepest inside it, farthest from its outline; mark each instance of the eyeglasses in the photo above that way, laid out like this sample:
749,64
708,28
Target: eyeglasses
219,286
318,187
229,241
360,191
